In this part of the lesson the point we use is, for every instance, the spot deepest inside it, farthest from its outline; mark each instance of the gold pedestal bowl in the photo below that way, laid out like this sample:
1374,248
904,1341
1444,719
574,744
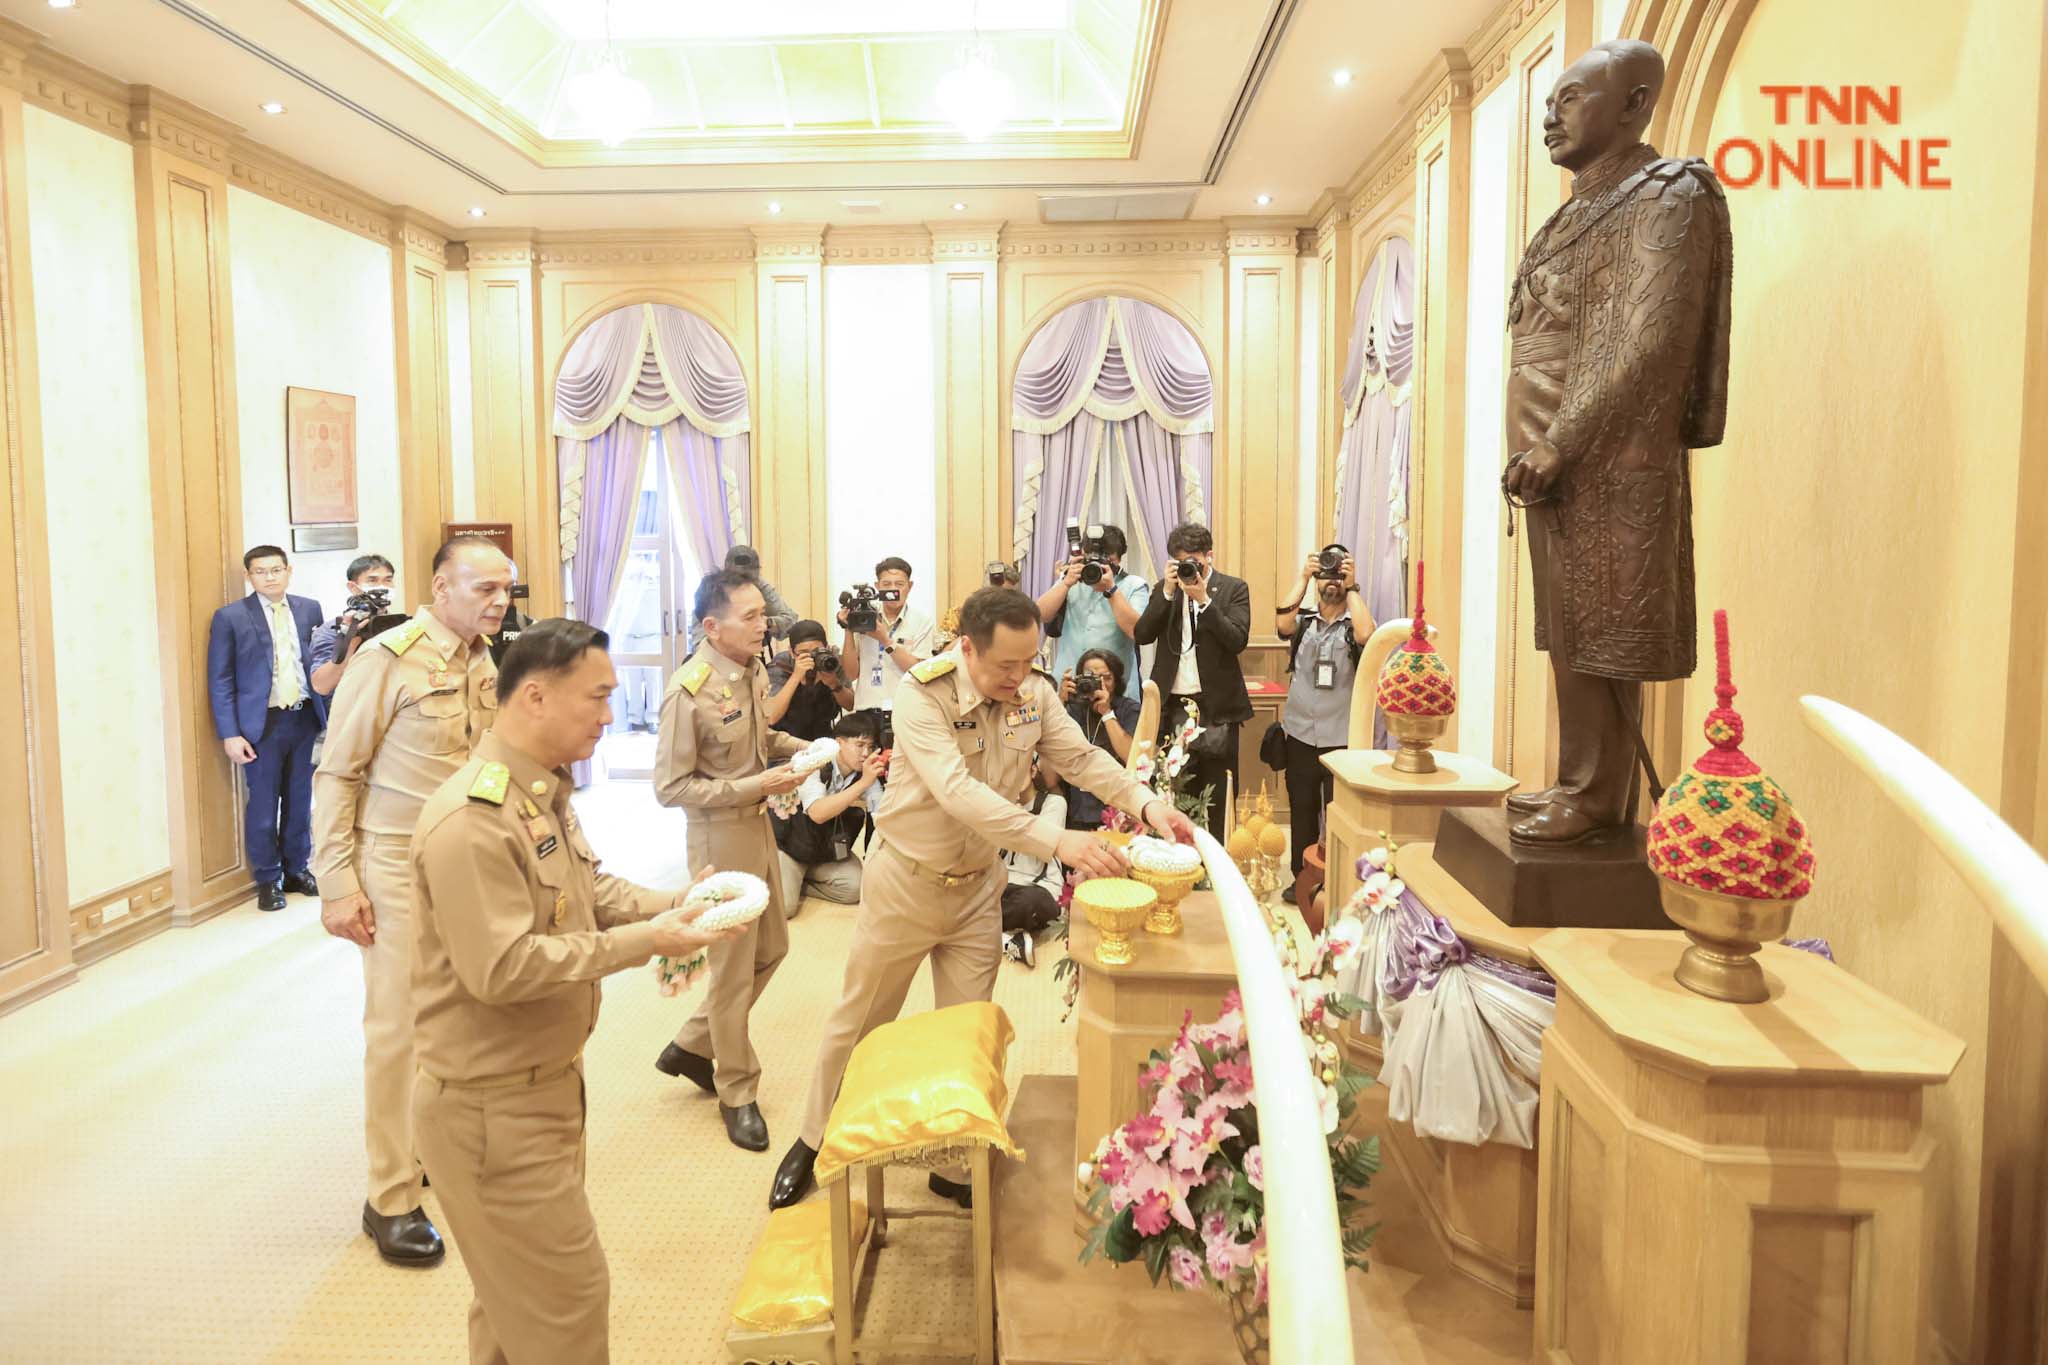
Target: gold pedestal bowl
1726,932
1416,734
1116,906
1172,888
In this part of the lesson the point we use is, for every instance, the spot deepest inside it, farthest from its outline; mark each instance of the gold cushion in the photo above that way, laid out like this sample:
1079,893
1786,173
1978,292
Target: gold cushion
788,1283
920,1086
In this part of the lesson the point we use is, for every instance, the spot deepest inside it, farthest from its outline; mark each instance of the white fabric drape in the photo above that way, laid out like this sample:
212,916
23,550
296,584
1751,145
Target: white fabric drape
650,364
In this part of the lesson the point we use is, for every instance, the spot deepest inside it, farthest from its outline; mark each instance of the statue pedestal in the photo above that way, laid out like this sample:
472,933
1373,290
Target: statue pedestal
1606,885
1371,799
1479,1202
1126,1012
1730,1183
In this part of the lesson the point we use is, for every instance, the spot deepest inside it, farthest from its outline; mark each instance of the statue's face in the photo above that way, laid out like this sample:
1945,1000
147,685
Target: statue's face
1582,119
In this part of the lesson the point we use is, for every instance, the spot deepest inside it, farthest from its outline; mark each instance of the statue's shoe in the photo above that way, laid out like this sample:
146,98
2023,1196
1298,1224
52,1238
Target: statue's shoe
1528,803
1562,824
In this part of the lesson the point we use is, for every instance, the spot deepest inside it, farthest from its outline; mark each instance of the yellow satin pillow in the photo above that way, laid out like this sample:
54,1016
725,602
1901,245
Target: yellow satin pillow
788,1283
920,1085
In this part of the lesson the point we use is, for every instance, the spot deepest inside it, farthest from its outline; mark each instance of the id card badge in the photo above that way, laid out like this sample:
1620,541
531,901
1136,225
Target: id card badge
1326,674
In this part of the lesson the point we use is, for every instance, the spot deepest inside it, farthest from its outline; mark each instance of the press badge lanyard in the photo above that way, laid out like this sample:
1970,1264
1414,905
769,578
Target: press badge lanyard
1326,667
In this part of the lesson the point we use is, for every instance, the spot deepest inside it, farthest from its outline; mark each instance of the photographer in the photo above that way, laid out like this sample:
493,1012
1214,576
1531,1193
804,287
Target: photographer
370,579
1322,659
745,561
1094,695
807,687
1087,611
885,636
1201,620
814,847
515,620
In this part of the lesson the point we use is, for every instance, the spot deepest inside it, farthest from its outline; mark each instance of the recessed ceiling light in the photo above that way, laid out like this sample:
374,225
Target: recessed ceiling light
1341,76
63,4
271,107
476,211
959,207
774,206
1263,200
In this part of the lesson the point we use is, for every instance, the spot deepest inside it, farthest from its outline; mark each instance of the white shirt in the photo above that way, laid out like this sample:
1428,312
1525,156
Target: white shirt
1187,679
285,672
1027,869
874,682
816,787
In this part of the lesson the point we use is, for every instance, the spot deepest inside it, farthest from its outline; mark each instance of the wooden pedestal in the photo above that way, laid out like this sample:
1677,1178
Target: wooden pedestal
1126,1012
1479,1202
1371,800
1728,1184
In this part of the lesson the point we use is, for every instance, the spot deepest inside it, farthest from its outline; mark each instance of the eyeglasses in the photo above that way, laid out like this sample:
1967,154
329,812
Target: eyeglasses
277,571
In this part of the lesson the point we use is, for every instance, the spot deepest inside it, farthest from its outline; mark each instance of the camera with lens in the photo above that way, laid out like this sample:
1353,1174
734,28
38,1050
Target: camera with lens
1330,564
1188,570
1086,685
862,616
1094,563
998,573
824,660
369,603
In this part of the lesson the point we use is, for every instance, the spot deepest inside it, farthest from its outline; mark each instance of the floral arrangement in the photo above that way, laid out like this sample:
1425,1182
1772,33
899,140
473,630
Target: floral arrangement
1182,1185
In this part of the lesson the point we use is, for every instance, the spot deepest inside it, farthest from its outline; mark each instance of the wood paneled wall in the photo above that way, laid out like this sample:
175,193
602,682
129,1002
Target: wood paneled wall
789,409
419,303
969,424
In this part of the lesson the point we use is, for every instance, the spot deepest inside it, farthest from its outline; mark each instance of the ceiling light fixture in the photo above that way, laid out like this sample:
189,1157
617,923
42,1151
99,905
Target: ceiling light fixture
1263,200
271,107
606,98
476,211
959,207
774,206
63,4
978,98
1341,76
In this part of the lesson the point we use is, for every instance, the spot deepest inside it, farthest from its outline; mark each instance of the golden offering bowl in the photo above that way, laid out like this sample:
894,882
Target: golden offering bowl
1726,932
1117,838
1172,888
1416,734
1115,906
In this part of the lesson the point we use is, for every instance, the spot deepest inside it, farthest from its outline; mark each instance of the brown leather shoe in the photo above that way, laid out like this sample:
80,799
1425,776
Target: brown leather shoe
1562,824
406,1239
1528,803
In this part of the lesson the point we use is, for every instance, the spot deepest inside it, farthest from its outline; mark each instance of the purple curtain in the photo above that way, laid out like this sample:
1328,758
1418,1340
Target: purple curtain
611,488
601,364
702,494
1059,365
1151,457
1372,507
1166,360
1063,462
709,384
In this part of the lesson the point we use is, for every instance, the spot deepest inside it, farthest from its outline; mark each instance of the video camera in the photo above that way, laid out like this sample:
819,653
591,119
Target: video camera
1330,564
368,603
862,613
1094,563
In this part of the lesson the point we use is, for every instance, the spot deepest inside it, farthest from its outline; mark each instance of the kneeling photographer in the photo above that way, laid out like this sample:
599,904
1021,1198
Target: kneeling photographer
1095,698
370,579
807,686
814,846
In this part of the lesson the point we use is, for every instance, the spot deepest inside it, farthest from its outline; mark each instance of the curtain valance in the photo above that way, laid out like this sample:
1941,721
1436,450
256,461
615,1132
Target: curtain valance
1381,358
1113,358
650,364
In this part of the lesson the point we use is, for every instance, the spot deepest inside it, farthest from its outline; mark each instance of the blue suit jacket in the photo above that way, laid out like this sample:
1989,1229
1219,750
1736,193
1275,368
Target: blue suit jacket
240,660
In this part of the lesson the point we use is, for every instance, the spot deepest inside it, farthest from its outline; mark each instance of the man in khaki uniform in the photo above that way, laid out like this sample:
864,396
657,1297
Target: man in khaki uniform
408,710
712,761
967,725
516,924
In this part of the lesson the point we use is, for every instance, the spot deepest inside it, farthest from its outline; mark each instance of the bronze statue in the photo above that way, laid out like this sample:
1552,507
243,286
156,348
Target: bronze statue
1619,367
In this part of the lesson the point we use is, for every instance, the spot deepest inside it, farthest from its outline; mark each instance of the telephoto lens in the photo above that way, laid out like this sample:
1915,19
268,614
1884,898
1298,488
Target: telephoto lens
825,660
1091,572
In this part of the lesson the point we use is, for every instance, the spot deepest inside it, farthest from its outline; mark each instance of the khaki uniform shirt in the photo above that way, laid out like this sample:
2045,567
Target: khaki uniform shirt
411,706
715,737
515,921
960,781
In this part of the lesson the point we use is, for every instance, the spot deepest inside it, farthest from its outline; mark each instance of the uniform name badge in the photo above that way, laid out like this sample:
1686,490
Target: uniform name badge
1326,674
545,847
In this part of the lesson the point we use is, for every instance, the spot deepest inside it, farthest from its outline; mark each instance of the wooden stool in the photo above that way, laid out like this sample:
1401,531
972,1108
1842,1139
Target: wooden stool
773,1324
850,1245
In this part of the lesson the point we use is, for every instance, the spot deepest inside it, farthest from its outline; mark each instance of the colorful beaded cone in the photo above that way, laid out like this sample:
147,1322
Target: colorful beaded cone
1416,681
1724,826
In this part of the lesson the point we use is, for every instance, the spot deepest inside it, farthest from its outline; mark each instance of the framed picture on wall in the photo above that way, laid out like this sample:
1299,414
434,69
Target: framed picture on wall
320,456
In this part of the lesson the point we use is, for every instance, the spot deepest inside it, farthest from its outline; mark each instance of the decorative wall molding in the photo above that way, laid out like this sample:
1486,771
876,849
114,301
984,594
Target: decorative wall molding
411,233
1447,82
879,245
966,241
802,243
77,92
257,170
1142,239
162,119
1306,241
645,248
502,251
1261,237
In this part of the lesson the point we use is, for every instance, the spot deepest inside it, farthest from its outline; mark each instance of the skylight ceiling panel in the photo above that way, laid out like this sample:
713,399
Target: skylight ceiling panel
1027,60
907,76
827,84
736,83
505,50
443,26
661,68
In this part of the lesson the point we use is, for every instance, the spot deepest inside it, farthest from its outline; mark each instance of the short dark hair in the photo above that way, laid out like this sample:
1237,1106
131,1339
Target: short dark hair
548,649
256,552
715,591
362,564
1116,667
987,608
896,562
1113,542
807,630
856,725
743,559
457,542
1190,537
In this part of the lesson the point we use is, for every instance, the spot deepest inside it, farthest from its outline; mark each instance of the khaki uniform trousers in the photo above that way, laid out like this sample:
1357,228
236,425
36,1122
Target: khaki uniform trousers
384,871
906,915
740,969
508,1169
837,881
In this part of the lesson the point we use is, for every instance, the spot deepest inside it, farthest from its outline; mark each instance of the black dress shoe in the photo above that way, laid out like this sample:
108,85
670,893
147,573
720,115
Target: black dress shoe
745,1127
406,1239
302,884
676,1062
793,1176
1529,803
963,1195
270,896
1288,895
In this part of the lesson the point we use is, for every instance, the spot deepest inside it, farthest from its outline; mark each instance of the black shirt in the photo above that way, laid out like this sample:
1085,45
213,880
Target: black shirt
812,710
1084,808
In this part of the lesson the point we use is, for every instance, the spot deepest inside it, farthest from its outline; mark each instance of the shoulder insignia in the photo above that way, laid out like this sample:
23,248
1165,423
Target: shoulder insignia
492,780
931,670
401,638
1045,673
693,675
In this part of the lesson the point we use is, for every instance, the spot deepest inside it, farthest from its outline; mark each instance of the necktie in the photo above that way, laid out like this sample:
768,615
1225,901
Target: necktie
284,657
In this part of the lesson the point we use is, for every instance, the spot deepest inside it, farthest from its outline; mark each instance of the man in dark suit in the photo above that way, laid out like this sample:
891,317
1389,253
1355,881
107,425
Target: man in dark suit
267,716
1201,621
